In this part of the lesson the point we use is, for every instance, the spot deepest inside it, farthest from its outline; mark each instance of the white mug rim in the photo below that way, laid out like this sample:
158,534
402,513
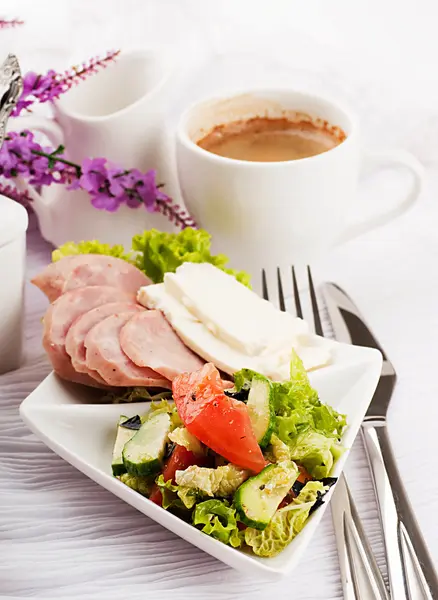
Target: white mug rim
71,113
185,139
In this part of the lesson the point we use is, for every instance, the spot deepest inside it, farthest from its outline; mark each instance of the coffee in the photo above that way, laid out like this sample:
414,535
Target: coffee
263,139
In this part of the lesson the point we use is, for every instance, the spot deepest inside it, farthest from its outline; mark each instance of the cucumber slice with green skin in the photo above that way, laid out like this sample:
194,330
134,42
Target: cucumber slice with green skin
123,436
261,409
258,498
143,454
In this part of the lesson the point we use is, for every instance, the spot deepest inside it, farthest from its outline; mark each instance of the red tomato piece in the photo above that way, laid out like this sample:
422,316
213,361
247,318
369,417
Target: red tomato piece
303,476
219,422
179,460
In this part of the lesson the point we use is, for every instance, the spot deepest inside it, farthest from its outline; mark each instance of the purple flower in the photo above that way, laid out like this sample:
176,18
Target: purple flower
147,189
48,87
105,202
94,176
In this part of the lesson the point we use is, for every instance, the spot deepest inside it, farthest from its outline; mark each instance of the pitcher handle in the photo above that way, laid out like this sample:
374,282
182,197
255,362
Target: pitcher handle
52,131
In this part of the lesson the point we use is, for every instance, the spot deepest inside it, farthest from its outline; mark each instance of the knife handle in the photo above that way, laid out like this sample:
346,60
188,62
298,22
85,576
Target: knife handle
412,575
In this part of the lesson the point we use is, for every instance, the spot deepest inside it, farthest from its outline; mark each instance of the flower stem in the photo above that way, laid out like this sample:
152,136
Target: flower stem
59,159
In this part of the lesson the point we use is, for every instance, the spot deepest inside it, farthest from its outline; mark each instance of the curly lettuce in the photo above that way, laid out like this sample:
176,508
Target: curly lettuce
222,481
218,519
305,428
158,253
92,247
286,523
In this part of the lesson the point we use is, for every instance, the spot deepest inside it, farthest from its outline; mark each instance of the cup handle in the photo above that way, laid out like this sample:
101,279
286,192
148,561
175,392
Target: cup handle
47,127
394,158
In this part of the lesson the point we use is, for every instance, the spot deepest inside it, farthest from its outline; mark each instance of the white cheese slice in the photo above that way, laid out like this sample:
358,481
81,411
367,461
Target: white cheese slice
231,311
201,340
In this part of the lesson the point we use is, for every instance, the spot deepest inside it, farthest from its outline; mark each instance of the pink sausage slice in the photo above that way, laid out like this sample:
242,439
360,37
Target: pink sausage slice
61,315
150,341
51,281
105,355
106,270
74,341
81,270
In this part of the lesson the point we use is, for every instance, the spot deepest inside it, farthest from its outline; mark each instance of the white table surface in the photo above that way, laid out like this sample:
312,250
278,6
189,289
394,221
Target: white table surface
61,536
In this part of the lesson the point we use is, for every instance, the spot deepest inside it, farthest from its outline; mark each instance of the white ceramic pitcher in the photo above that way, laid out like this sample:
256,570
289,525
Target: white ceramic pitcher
117,114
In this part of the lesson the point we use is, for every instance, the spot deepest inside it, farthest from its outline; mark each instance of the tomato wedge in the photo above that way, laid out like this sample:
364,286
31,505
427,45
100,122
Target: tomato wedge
180,459
219,422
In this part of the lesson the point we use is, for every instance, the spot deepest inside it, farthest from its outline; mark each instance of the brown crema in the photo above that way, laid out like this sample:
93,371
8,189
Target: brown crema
263,139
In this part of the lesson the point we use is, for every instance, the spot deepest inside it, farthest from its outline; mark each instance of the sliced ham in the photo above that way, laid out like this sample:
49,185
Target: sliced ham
105,355
74,341
61,315
51,281
81,270
106,270
150,341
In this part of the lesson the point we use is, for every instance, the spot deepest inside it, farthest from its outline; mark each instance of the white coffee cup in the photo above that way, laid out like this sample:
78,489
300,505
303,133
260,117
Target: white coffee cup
118,114
269,214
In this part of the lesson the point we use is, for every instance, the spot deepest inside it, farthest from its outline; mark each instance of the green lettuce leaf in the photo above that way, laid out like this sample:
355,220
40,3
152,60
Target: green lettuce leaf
135,394
218,520
164,406
92,247
315,452
277,450
182,437
243,379
175,496
286,524
142,485
222,481
305,428
159,253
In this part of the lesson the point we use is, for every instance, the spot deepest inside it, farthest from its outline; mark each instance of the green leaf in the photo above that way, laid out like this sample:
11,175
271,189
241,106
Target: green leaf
315,452
306,430
243,379
160,253
218,519
167,407
135,394
142,485
176,496
91,247
285,525
222,481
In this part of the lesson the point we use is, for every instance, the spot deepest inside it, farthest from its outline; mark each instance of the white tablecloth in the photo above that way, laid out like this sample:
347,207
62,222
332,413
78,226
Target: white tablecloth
61,536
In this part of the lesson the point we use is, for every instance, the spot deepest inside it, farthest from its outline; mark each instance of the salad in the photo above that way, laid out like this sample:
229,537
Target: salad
245,455
246,465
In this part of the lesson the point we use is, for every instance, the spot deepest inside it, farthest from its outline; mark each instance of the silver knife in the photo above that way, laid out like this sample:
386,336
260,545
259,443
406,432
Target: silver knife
412,575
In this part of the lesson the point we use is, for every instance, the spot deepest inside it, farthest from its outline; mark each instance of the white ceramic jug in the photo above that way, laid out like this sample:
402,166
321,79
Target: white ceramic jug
117,114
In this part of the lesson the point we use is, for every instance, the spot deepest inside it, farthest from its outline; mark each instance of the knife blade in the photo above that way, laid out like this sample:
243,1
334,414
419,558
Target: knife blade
412,574
350,328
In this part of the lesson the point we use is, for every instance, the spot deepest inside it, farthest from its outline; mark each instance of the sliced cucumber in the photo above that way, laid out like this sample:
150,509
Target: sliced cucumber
261,409
258,498
123,436
143,454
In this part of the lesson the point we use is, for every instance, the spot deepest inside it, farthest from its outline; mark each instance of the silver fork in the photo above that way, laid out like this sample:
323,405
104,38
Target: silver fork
360,575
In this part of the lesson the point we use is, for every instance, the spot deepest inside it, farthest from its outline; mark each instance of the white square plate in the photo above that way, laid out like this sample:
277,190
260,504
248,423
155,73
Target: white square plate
70,420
